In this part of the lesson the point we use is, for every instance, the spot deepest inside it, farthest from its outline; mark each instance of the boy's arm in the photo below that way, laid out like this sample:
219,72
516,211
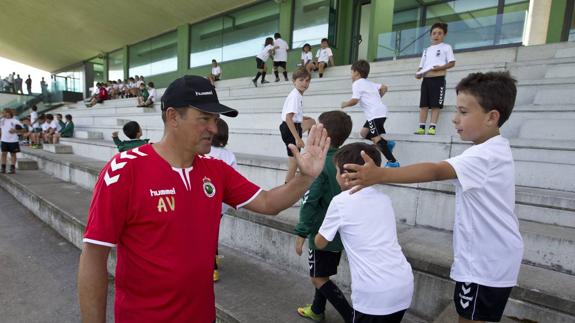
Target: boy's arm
329,227
444,67
382,90
291,126
320,241
369,174
349,103
331,60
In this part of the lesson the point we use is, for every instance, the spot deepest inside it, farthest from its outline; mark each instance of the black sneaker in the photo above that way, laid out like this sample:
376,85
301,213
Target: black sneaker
277,79
287,79
3,169
12,169
265,82
255,83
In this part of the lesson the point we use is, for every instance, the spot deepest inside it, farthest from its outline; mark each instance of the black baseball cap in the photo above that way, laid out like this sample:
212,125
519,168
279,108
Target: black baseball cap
195,91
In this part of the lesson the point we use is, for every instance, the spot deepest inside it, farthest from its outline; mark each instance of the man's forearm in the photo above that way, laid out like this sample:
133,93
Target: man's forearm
284,196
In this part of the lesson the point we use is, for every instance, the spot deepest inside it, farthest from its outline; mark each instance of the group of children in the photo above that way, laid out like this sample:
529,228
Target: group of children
146,95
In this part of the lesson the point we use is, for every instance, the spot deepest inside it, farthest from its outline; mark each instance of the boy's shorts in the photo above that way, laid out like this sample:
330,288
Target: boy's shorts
480,303
37,130
432,92
10,147
280,64
375,126
287,137
323,263
359,317
324,63
259,63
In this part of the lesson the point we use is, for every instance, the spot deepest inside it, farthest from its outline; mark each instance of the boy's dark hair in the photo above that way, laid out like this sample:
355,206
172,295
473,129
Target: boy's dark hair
68,117
362,67
492,90
214,60
131,129
338,125
306,45
351,154
269,41
221,138
440,25
50,116
325,40
277,35
59,115
25,118
151,84
9,111
34,108
300,73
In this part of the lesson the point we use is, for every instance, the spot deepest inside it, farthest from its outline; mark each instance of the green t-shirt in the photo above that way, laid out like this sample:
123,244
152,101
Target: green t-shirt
315,203
67,130
129,144
144,93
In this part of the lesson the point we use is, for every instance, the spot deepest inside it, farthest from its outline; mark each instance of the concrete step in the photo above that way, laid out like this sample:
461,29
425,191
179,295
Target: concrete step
86,134
58,148
26,164
247,283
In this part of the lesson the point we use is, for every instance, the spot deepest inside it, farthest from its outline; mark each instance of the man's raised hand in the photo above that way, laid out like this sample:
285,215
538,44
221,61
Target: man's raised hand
312,160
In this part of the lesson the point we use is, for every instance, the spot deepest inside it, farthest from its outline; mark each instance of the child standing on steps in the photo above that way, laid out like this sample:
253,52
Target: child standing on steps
9,139
487,245
294,123
261,59
368,95
435,61
218,150
133,131
323,263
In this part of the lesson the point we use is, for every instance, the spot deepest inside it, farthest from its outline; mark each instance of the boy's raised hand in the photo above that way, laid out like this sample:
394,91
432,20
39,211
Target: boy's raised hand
299,241
312,160
360,176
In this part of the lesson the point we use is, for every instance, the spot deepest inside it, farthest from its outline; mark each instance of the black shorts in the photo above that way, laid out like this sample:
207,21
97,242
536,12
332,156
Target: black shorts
259,63
216,78
432,92
359,317
480,303
323,263
375,126
10,147
287,137
280,64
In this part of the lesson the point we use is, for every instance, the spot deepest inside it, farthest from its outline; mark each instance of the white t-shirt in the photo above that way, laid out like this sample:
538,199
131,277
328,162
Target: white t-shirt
306,57
280,54
55,125
152,94
487,245
381,277
265,53
33,116
45,126
323,54
293,104
6,125
367,93
216,70
229,158
436,55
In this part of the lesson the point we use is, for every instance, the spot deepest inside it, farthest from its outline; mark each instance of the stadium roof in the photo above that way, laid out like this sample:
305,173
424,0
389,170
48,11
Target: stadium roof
53,34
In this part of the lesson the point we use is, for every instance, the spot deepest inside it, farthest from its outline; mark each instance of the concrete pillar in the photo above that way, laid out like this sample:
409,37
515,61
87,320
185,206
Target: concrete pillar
381,21
126,61
537,22
183,39
285,24
557,17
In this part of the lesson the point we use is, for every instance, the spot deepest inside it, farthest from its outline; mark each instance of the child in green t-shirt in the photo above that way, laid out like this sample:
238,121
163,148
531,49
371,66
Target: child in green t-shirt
133,131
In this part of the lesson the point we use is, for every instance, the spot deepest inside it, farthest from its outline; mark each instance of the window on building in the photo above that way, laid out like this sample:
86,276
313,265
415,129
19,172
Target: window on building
312,20
570,19
116,65
235,35
154,56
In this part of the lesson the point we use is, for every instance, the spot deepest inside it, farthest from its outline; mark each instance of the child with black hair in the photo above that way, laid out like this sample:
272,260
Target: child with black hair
133,131
67,130
280,56
381,277
216,72
368,95
307,58
324,57
435,61
218,150
323,263
9,139
487,244
261,59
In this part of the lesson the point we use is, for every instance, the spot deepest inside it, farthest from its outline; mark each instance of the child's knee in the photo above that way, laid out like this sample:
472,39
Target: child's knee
318,282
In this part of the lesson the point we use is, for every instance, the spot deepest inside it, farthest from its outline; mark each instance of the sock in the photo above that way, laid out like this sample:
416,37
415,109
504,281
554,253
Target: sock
337,299
319,300
257,76
320,75
277,74
285,75
263,76
432,125
385,150
422,126
3,167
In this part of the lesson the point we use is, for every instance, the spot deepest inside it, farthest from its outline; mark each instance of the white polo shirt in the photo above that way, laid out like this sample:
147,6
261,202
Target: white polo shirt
265,53
293,104
6,125
487,245
216,70
280,54
323,54
306,57
152,94
436,55
381,277
370,102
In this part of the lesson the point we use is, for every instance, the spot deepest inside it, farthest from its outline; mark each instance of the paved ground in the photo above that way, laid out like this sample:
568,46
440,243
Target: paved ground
37,269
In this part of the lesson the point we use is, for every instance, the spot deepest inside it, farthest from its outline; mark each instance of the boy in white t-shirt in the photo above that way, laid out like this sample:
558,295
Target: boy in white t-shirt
294,123
487,245
381,277
307,58
216,72
280,57
9,139
435,61
368,95
261,59
324,56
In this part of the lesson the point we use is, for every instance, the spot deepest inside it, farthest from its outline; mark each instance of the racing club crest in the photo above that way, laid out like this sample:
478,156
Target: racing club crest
209,188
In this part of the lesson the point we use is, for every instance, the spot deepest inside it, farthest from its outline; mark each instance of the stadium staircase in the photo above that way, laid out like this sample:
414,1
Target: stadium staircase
263,280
